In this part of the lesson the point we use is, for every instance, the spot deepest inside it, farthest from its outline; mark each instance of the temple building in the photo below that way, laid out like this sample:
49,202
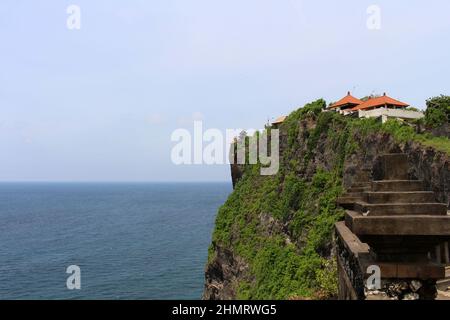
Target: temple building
346,104
278,121
380,102
383,107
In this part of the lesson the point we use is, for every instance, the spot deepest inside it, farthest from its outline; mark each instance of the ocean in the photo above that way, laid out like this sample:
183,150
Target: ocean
130,240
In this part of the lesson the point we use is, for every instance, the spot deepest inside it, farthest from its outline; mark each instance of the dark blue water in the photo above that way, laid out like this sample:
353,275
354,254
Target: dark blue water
131,241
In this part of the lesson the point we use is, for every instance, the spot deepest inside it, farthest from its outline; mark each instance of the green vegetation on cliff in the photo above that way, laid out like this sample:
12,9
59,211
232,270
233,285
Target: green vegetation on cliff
438,111
282,225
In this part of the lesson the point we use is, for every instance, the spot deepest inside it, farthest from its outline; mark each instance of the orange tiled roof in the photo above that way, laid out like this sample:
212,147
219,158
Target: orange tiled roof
348,99
279,120
379,102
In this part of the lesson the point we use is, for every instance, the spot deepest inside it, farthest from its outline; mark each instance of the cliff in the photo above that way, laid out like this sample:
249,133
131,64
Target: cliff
273,236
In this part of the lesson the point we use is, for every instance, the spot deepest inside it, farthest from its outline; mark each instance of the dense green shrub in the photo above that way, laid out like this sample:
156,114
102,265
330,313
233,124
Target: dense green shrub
438,111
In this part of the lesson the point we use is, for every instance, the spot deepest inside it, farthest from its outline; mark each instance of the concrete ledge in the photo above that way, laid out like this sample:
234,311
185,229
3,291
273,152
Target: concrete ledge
411,271
350,240
358,249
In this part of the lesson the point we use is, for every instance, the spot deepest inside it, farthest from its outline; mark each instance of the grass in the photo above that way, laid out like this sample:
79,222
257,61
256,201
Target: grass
404,133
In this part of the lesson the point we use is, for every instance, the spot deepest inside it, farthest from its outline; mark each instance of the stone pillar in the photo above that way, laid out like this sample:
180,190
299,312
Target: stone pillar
438,253
446,253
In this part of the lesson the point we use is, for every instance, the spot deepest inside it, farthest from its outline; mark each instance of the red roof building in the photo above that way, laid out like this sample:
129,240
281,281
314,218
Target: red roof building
279,120
347,102
383,107
380,102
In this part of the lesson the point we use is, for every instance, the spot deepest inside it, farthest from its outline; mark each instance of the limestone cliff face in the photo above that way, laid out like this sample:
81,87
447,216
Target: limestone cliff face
226,270
223,274
311,146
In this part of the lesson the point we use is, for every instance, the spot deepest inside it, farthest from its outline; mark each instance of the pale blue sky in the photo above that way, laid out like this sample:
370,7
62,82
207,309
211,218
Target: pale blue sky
99,104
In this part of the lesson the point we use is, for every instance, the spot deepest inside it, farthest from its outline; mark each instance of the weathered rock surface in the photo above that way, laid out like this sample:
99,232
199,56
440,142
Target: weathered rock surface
222,275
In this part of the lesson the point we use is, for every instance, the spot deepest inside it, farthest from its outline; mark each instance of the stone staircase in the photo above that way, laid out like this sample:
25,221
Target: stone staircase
396,224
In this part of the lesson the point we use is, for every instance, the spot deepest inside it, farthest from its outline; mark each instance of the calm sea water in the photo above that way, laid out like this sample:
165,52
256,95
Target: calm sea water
131,241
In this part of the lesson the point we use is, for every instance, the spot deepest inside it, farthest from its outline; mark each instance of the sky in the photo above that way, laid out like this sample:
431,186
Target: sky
100,103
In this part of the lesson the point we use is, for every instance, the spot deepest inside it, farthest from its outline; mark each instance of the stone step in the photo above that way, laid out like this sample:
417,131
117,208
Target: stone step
358,189
394,166
357,195
408,225
397,185
361,184
400,197
363,176
398,209
347,202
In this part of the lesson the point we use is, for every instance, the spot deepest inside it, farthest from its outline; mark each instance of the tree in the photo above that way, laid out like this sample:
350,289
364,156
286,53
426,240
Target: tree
438,111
